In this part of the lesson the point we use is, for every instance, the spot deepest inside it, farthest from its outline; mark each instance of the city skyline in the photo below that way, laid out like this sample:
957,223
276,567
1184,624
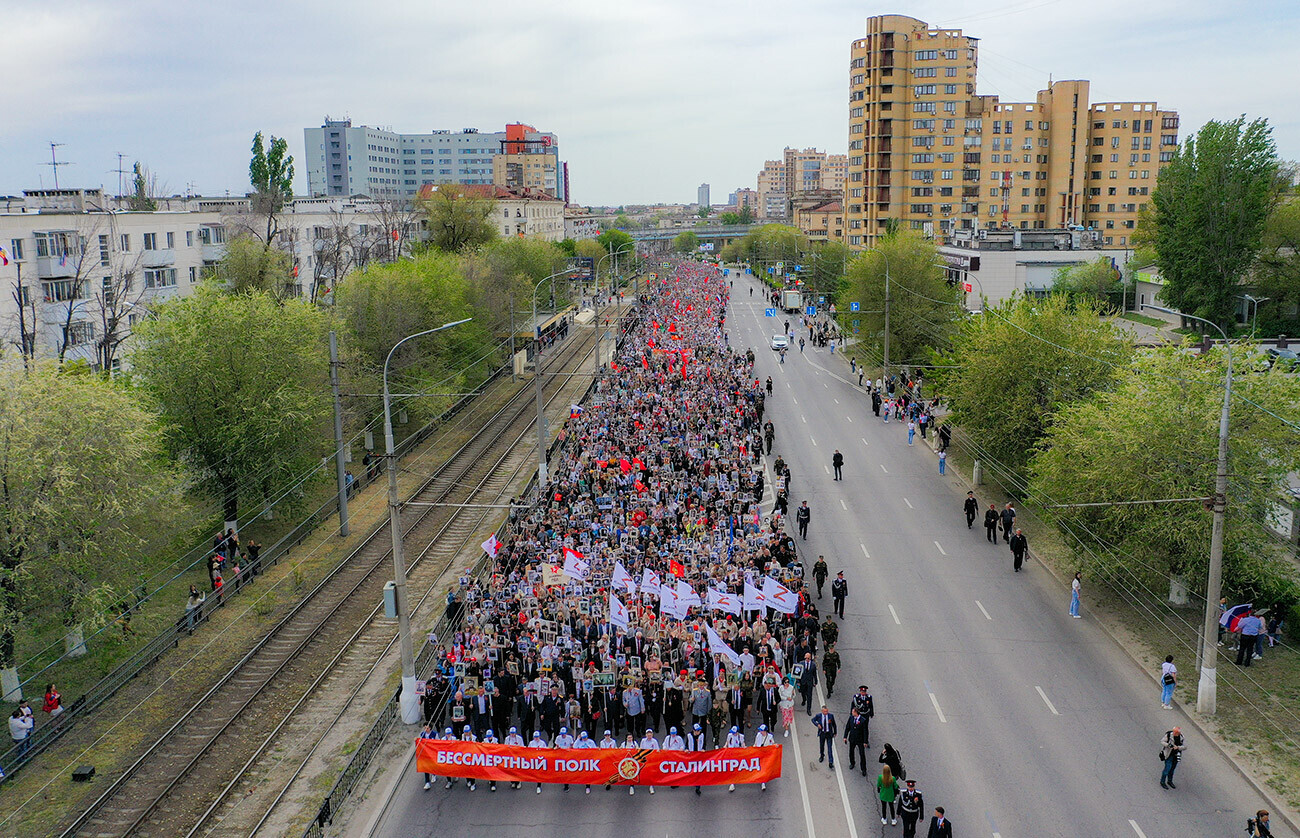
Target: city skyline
682,90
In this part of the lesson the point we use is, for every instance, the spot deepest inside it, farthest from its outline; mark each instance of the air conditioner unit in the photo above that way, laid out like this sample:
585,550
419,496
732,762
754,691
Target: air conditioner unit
983,235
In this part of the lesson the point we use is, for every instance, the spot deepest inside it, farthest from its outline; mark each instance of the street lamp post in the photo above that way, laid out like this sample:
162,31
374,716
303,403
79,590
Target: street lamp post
409,702
537,377
1207,689
1254,303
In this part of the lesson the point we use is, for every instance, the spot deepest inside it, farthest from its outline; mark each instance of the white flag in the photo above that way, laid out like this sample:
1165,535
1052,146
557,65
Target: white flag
686,595
574,565
650,582
669,602
492,545
778,596
617,611
723,601
718,646
753,597
622,580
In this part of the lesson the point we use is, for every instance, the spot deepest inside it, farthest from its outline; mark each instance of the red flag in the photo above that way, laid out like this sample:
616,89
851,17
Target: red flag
676,569
624,466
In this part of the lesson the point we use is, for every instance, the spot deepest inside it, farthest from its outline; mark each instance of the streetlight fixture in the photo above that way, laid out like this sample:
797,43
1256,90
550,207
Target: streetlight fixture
537,376
1207,688
409,702
1254,319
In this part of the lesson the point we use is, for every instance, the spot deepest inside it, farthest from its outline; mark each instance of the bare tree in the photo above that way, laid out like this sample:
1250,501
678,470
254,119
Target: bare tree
399,225
335,254
25,303
117,303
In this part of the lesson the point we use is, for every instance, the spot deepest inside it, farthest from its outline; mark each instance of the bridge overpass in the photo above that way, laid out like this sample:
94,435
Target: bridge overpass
719,233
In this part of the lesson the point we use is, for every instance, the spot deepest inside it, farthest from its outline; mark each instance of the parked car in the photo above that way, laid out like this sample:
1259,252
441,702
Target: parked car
780,342
1287,358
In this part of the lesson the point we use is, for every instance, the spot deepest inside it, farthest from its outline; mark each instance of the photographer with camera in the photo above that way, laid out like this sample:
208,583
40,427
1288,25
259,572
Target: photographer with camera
1257,827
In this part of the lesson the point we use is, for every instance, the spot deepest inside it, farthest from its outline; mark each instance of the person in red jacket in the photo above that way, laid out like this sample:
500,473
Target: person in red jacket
53,701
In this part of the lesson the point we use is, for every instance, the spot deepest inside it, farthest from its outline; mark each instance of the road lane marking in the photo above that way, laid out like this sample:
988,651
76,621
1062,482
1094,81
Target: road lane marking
837,401
814,440
894,614
839,775
864,550
850,418
1137,828
983,611
803,787
1047,701
993,826
942,718
882,468
843,504
824,384
909,503
804,418
793,399
940,546
864,440
828,469
787,385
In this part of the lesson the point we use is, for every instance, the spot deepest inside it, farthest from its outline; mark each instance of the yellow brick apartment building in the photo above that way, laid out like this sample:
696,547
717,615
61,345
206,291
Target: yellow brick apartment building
930,153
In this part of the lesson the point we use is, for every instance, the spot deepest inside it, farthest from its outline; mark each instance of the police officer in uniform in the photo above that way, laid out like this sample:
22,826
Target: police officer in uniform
864,704
910,804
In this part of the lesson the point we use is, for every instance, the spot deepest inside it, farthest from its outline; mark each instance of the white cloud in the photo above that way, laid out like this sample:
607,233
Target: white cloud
648,99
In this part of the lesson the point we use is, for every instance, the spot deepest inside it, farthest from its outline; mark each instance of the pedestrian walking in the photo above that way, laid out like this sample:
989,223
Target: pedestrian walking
427,732
839,593
830,667
945,436
1019,546
807,681
940,826
861,373
971,508
1008,518
826,730
837,463
855,736
647,743
991,523
1168,679
910,804
943,462
911,430
763,739
514,740
820,571
1171,751
1075,584
803,515
1257,827
890,756
886,791
786,691
866,705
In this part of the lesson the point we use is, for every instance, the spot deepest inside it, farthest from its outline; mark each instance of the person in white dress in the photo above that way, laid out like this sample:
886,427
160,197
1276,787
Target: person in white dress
762,739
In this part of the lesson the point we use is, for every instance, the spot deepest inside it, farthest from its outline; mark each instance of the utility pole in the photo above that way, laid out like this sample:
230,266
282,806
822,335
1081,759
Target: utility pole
54,162
338,435
885,374
120,172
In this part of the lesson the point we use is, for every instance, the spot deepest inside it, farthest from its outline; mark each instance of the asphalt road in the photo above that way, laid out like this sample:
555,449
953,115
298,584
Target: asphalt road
1017,719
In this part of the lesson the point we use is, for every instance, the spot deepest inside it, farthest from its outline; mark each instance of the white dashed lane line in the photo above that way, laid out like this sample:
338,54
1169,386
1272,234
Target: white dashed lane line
983,611
864,550
844,505
940,546
894,614
935,701
1047,701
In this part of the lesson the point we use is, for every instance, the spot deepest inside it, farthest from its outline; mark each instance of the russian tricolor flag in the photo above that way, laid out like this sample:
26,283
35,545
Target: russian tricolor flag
1234,614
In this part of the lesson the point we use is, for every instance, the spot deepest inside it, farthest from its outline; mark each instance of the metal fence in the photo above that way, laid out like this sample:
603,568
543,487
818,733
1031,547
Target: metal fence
102,690
425,662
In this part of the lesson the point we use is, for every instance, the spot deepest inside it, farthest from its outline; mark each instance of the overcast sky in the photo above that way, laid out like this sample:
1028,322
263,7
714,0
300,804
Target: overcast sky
648,99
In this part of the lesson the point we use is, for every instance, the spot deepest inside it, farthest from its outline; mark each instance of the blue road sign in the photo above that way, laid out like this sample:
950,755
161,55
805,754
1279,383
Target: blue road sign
771,270
857,322
811,311
855,306
855,330
821,300
726,271
769,312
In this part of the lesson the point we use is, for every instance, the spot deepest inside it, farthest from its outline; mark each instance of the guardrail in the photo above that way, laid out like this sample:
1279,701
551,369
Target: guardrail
425,662
42,738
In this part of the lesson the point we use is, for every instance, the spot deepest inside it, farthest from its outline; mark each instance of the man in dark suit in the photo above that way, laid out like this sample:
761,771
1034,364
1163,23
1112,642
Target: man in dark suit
972,508
482,708
528,707
940,826
866,706
802,516
1019,546
807,682
739,699
826,730
855,736
769,701
991,523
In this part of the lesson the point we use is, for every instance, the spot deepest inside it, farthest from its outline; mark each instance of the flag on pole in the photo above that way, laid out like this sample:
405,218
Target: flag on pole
1234,614
574,565
650,583
492,545
676,568
753,599
718,646
670,605
4,257
617,611
778,596
723,601
622,580
686,596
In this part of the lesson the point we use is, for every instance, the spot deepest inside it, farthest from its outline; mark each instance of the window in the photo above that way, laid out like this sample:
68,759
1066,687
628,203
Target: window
194,275
150,241
950,89
1114,158
949,124
923,124
922,158
126,242
947,156
950,107
171,240
60,290
927,54
16,249
923,142
950,54
189,238
80,333
924,89
949,141
103,250
923,107
950,72
925,72
160,278
1146,174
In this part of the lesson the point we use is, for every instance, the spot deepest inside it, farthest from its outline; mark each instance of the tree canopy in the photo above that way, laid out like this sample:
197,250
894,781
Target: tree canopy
240,382
270,171
458,220
1210,205
1094,283
686,242
249,265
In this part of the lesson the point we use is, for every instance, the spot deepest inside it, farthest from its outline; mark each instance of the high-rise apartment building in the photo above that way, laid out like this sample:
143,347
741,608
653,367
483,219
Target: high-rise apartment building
928,152
771,190
702,196
344,160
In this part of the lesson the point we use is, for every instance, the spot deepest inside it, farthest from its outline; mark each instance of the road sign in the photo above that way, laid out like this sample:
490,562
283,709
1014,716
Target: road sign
967,287
811,311
856,324
726,271
780,267
798,268
855,306
855,330
769,312
665,265
821,300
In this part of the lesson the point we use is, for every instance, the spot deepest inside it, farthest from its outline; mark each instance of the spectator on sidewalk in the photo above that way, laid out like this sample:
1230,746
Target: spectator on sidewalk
20,729
192,608
1168,679
53,704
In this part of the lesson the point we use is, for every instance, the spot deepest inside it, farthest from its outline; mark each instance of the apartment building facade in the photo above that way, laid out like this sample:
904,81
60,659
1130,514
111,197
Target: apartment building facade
799,172
344,160
930,153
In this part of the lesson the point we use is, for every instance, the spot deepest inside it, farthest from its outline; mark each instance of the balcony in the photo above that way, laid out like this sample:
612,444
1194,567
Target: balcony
212,252
160,258
49,267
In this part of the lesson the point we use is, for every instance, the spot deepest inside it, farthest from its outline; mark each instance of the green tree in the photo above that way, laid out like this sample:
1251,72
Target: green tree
142,186
85,492
249,265
568,246
271,174
1155,436
729,218
703,212
240,381
825,269
1277,272
923,309
746,215
1010,368
622,222
1094,283
458,219
614,240
1210,205
686,242
764,245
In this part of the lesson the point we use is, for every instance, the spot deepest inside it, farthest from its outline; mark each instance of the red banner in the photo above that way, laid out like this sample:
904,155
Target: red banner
597,766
